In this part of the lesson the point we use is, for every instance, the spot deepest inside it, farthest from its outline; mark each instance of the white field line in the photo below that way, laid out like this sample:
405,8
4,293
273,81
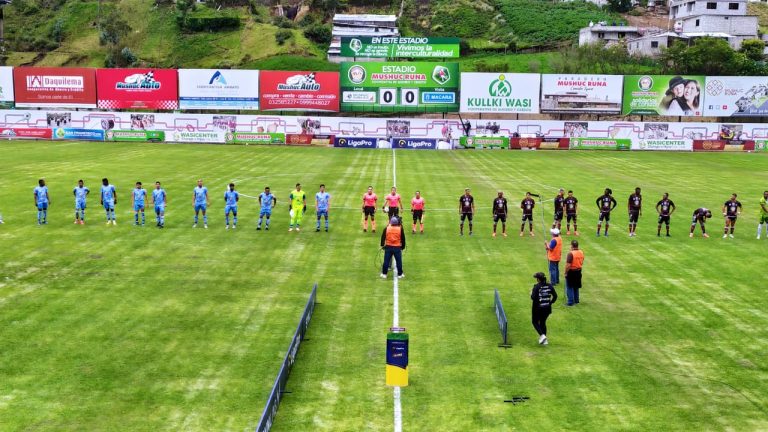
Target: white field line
398,410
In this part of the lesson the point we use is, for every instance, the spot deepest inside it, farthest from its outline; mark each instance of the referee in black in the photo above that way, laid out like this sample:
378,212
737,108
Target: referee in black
543,296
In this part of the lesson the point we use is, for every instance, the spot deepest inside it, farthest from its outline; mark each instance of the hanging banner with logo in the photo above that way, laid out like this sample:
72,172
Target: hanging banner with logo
668,95
78,134
299,91
6,87
730,96
399,87
138,88
581,94
135,136
36,87
500,93
399,47
355,142
255,138
218,89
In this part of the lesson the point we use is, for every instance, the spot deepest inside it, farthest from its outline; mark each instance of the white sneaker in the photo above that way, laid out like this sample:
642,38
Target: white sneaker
383,276
401,276
205,226
226,227
297,229
290,229
730,235
546,341
234,226
194,225
758,237
725,235
542,338
690,235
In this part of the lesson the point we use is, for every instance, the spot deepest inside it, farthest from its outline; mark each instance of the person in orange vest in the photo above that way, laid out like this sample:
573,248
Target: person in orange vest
554,254
393,243
573,264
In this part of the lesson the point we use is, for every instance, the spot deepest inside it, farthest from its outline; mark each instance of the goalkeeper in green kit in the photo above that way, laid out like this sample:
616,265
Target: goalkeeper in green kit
763,215
298,200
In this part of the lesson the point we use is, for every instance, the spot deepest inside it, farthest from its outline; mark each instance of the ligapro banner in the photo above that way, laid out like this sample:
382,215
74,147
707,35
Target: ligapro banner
218,89
728,96
500,93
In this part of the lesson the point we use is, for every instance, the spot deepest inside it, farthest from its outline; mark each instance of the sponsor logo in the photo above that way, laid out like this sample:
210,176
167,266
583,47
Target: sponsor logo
500,87
714,87
438,97
645,83
359,96
218,78
139,81
441,75
357,74
355,45
300,82
55,83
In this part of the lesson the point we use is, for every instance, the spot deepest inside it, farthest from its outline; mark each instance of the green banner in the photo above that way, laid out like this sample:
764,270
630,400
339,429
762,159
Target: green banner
601,143
255,138
135,135
670,95
399,47
484,142
761,145
400,87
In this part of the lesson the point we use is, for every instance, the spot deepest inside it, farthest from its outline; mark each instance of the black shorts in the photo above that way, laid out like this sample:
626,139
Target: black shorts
558,216
417,214
393,212
664,219
369,211
604,216
527,217
731,218
500,217
571,217
466,216
702,220
634,216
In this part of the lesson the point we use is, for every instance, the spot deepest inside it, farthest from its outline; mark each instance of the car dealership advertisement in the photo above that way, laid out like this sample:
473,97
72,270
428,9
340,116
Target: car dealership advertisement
728,96
299,91
581,94
38,87
500,93
399,47
400,87
6,87
668,95
138,88
255,138
218,89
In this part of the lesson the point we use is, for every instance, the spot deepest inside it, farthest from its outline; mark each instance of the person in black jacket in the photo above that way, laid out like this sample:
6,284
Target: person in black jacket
543,296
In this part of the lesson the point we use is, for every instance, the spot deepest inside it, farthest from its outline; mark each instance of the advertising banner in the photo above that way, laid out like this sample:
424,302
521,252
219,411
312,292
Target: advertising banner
26,133
721,145
670,95
299,91
581,94
37,87
255,138
400,87
6,87
355,142
212,89
309,139
730,96
500,93
538,143
761,145
138,88
215,136
78,134
414,143
601,143
135,136
484,142
399,47
663,144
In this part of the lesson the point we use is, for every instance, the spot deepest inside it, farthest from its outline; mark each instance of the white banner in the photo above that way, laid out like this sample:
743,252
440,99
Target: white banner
728,96
581,94
218,89
6,86
500,93
215,136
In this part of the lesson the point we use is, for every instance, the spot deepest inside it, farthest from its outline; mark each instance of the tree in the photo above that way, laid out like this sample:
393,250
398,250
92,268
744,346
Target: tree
753,49
620,6
112,28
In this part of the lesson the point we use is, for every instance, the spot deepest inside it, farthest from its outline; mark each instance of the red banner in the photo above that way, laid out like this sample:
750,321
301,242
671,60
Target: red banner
299,91
26,133
138,88
36,87
309,139
539,143
723,145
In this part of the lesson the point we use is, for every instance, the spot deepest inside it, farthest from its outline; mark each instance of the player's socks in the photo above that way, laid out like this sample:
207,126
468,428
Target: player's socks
205,219
234,220
326,224
39,217
45,217
226,218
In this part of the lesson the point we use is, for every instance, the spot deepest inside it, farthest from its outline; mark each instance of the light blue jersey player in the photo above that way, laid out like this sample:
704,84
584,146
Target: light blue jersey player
322,205
139,199
266,202
159,199
109,200
200,201
81,194
231,197
42,201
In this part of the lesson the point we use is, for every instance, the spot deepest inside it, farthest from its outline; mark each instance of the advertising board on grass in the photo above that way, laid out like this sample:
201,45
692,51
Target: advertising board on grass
414,143
255,138
78,134
26,133
307,139
399,47
601,143
669,95
215,136
539,143
500,93
355,142
480,142
135,136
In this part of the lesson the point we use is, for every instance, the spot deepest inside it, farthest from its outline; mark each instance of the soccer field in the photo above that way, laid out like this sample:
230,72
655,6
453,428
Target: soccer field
140,329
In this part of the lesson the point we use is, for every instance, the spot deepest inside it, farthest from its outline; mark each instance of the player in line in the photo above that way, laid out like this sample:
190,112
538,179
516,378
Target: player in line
231,197
322,205
605,203
527,205
700,216
731,211
635,209
466,210
42,202
109,200
139,196
297,206
369,209
763,214
500,214
664,208
559,203
571,209
394,204
159,200
200,202
266,202
417,210
81,193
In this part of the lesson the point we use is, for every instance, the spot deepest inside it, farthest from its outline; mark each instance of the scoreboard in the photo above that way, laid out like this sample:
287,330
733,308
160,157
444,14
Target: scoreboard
399,87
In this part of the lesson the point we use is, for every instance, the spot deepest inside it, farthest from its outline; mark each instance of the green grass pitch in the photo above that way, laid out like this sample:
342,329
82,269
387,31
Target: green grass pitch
125,328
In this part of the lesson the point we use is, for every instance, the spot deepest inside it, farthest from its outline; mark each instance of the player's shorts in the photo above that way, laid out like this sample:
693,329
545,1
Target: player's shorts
265,212
42,206
731,218
466,216
528,217
604,216
664,219
500,217
634,216
558,216
230,208
138,207
160,208
80,205
109,205
700,219
763,219
199,207
417,214
322,213
571,217
369,211
393,212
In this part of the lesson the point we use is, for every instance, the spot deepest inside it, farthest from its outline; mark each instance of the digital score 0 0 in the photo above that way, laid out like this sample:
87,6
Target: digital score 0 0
399,87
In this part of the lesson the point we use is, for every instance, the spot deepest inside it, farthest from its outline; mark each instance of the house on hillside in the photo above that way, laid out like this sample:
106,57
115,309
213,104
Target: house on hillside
606,34
359,25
